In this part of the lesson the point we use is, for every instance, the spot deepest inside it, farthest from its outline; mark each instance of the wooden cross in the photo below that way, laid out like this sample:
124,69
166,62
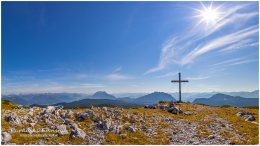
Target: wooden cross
179,81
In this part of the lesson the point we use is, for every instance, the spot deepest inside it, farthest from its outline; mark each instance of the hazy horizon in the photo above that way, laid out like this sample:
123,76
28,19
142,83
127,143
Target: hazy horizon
118,93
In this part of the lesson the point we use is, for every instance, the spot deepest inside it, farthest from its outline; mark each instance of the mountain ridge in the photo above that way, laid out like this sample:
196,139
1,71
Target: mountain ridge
221,99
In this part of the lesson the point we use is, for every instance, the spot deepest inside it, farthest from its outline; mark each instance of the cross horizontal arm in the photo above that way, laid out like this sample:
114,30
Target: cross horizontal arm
179,81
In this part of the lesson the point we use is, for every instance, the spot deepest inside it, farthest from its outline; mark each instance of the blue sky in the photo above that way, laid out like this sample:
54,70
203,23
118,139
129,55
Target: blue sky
129,46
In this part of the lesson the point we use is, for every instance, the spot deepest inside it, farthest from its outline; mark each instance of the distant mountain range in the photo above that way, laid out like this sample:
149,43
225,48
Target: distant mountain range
54,98
152,98
192,96
223,99
44,98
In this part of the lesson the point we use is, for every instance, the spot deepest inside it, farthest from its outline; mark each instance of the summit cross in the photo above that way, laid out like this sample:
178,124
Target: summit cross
179,81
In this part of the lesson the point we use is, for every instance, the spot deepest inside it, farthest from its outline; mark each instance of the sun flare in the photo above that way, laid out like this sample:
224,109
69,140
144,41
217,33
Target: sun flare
208,14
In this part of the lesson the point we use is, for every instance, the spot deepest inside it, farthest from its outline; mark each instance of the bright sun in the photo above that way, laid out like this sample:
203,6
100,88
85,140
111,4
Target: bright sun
208,15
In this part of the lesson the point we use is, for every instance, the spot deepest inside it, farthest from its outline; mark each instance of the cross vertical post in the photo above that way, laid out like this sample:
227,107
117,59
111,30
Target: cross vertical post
179,81
179,87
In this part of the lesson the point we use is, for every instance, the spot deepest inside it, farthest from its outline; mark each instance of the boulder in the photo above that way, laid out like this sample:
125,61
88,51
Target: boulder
175,110
49,110
163,107
12,130
188,113
62,130
248,117
85,115
30,113
77,132
131,129
105,125
242,113
239,114
6,137
12,118
69,114
151,106
116,129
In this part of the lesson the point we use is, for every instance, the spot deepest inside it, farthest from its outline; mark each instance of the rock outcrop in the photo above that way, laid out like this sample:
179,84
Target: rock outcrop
246,116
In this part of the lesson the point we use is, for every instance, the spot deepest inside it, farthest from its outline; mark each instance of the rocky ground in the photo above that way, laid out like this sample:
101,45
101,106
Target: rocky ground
185,123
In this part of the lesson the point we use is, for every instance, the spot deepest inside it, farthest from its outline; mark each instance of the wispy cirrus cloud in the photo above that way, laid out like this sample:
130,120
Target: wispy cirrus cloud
220,42
234,61
240,45
118,69
117,77
169,74
198,78
92,85
183,49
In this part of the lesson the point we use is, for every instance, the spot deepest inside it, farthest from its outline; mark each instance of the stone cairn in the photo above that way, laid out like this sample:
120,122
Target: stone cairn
170,108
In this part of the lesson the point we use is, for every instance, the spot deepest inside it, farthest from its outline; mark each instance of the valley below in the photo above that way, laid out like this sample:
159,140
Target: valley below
192,124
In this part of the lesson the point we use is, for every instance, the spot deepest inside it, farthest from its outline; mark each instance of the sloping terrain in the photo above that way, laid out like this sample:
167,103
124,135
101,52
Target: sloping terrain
84,103
223,99
154,98
198,124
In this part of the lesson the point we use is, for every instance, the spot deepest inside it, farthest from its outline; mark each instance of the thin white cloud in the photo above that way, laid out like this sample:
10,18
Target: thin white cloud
240,45
198,78
92,85
117,77
118,69
234,61
220,42
170,74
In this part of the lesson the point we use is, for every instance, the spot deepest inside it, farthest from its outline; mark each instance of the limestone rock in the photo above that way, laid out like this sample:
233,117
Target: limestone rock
175,110
62,130
49,109
85,115
131,129
12,118
163,107
105,125
77,132
6,137
246,116
116,129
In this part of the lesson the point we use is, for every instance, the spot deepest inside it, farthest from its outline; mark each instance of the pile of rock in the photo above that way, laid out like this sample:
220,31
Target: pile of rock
246,116
170,108
151,106
175,110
